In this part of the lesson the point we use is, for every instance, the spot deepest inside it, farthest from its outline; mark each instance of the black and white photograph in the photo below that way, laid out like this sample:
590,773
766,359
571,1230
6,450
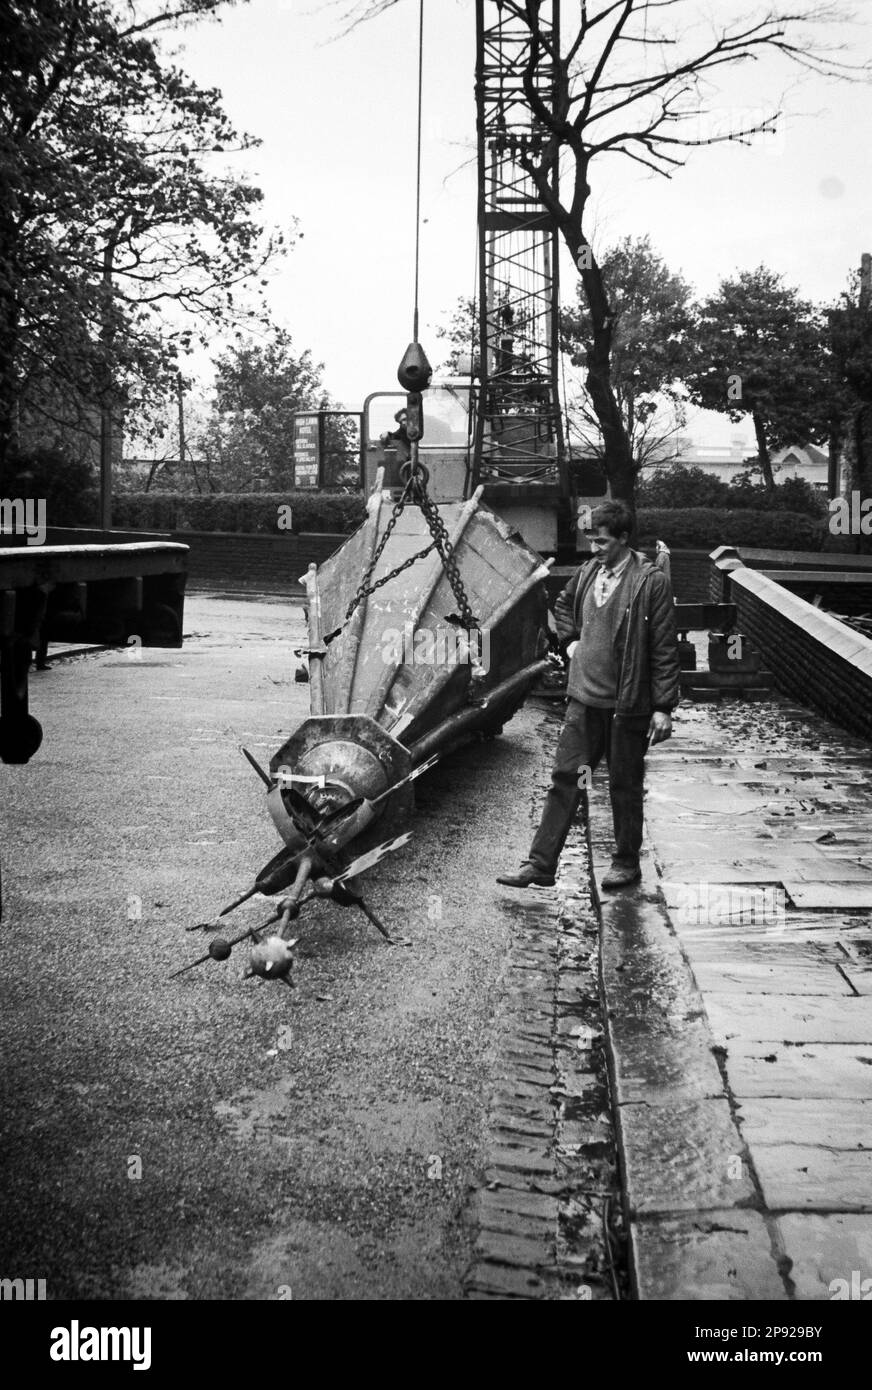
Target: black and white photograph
435,670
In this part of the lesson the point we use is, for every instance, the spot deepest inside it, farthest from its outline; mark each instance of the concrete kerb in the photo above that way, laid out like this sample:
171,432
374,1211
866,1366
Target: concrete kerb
692,1202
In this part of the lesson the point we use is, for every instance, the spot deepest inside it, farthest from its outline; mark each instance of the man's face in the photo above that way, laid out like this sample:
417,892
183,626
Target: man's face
609,550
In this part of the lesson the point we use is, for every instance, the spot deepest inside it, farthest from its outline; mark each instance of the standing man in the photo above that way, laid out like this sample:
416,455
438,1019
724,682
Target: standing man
616,623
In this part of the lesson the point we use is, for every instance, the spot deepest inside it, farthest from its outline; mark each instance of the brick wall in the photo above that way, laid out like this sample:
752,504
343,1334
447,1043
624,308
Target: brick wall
264,564
690,575
815,658
225,560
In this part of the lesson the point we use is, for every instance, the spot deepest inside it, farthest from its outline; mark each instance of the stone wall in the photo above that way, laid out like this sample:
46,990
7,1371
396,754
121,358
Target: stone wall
816,660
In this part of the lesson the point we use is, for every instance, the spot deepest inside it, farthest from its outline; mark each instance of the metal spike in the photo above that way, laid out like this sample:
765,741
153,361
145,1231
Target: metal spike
264,777
231,907
368,912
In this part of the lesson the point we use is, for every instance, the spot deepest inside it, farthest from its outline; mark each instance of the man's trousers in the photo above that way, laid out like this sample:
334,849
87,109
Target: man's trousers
587,736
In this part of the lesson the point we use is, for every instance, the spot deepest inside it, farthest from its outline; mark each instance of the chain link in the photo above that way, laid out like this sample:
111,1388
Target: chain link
365,588
415,491
446,551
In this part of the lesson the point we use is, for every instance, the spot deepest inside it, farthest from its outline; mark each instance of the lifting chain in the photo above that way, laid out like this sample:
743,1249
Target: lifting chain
366,587
446,549
415,491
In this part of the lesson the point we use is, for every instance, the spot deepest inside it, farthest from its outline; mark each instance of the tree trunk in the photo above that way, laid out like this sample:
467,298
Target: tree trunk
618,456
862,470
9,316
763,455
617,448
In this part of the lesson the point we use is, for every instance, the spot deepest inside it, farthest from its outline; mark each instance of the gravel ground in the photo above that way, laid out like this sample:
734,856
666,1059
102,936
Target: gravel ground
205,1137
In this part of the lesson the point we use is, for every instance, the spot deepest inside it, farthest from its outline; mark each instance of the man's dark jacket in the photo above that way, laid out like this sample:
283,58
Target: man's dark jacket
646,646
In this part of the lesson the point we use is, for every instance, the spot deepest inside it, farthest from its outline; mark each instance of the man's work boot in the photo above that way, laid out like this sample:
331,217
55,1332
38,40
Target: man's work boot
621,875
527,877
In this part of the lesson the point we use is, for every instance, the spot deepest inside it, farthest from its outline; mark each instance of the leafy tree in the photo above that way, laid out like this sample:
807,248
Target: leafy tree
249,433
461,334
119,240
681,485
761,351
851,344
627,84
63,482
650,351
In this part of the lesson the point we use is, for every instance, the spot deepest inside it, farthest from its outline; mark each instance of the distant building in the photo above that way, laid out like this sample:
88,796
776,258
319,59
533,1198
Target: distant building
724,457
722,461
808,462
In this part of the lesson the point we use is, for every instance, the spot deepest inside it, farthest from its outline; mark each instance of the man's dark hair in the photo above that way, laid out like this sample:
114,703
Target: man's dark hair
616,517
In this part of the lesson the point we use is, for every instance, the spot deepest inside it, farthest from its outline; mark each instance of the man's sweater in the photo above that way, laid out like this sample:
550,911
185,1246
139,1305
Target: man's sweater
645,646
593,671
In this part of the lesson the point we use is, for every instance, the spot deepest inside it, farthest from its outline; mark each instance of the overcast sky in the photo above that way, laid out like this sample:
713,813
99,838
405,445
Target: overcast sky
337,119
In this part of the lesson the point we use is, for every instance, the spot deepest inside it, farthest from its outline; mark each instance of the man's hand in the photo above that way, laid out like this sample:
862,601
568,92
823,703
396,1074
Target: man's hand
560,659
660,727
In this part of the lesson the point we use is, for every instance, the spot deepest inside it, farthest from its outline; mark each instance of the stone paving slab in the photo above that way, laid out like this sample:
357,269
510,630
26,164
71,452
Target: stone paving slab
844,938
680,877
834,1124
780,1018
686,798
753,977
794,1177
829,894
813,1071
732,945
676,850
831,1256
716,1255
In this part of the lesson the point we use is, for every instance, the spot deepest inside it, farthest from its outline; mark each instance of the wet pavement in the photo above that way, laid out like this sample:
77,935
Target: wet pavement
431,1120
416,1121
738,978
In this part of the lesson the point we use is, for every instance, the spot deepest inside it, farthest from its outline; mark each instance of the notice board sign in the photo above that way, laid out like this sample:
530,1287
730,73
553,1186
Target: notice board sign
307,450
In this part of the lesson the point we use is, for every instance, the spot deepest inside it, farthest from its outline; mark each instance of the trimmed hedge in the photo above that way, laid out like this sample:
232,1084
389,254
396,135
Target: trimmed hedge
341,513
705,527
252,512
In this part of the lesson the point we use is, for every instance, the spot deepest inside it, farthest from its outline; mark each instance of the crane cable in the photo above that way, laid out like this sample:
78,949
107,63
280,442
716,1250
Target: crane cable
416,476
418,165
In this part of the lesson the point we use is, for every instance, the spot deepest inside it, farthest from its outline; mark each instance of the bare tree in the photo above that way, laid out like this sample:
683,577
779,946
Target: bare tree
626,85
